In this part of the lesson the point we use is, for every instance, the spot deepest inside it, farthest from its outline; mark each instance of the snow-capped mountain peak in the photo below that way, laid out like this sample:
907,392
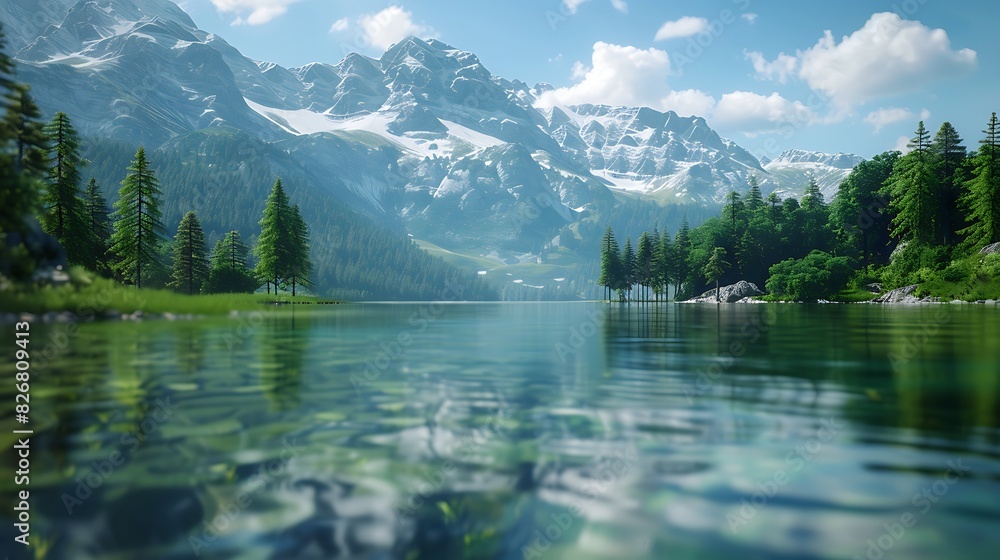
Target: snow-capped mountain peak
448,147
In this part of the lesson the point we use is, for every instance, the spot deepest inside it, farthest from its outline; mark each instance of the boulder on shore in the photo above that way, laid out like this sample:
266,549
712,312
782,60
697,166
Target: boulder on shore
899,295
729,294
875,288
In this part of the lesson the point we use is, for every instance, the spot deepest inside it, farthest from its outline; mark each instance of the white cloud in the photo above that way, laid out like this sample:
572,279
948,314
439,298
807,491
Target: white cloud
752,113
888,56
391,25
886,116
688,103
261,11
778,70
751,18
339,25
901,145
683,27
556,58
629,76
572,5
618,76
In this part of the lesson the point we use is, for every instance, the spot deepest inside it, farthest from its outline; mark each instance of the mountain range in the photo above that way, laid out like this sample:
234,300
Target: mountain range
423,139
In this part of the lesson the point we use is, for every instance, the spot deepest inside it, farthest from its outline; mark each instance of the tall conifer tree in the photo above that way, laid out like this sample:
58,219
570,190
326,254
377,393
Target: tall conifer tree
63,215
138,230
190,268
982,192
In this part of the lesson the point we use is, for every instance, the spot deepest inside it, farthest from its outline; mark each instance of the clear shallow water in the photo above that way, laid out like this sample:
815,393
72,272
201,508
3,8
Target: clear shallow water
519,430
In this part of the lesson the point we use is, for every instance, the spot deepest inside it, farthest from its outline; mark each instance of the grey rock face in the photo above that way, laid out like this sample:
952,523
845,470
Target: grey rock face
741,290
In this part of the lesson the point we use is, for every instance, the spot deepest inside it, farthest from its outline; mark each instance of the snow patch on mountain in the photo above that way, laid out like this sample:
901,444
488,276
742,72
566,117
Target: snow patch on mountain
789,173
455,137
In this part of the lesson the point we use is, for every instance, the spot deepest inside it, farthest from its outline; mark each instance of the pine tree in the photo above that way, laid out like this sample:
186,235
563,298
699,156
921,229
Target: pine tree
682,256
18,192
644,262
665,263
230,252
754,200
949,154
860,214
982,192
774,208
628,268
229,272
274,255
22,120
734,212
716,267
610,262
63,214
301,263
190,270
912,193
98,227
6,64
813,197
138,230
655,261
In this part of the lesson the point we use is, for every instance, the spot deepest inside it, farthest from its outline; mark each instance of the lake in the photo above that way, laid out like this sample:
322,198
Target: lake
549,430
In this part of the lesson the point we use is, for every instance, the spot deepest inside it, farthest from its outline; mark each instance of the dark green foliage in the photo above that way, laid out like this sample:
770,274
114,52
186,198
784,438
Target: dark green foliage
22,161
98,228
860,214
913,263
664,264
815,215
230,273
734,213
18,195
912,191
22,123
137,227
63,215
610,263
644,262
982,192
283,245
274,249
230,252
817,276
754,200
628,269
681,259
301,264
6,64
715,268
949,154
190,265
230,281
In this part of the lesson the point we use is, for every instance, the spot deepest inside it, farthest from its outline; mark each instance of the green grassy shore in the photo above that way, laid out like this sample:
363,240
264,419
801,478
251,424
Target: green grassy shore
85,295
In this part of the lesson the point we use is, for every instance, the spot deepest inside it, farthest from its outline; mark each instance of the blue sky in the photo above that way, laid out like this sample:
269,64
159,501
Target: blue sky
851,76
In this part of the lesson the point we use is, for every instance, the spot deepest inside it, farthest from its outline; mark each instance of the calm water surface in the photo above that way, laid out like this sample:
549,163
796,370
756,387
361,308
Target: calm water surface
559,431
